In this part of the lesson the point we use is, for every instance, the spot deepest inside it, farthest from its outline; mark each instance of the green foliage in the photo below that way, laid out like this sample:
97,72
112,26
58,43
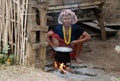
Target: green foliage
6,49
3,58
6,58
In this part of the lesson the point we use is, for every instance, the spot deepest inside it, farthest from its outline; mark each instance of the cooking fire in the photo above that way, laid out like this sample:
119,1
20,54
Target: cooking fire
62,63
62,59
63,68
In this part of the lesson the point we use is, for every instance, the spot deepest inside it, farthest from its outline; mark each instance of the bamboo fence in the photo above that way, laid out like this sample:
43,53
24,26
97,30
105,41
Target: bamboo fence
17,25
13,24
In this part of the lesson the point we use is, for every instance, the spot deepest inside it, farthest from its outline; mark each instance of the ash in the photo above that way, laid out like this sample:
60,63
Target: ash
81,72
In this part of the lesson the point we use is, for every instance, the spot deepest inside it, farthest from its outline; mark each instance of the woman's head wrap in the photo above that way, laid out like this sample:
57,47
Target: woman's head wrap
65,13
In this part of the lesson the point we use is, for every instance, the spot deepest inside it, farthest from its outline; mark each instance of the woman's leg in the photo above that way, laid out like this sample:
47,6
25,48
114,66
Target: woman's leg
78,49
55,42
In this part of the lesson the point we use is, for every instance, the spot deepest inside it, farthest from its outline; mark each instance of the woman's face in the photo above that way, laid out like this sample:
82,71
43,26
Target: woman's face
67,21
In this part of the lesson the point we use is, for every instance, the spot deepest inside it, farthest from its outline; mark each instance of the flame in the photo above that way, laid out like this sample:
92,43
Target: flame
61,67
56,65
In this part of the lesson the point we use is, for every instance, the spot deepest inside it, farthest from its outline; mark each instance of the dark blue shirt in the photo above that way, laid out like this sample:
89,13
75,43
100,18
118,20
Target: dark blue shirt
77,31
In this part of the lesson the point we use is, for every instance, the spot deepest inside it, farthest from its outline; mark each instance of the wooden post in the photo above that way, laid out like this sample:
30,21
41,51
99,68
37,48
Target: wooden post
43,22
32,46
31,38
100,17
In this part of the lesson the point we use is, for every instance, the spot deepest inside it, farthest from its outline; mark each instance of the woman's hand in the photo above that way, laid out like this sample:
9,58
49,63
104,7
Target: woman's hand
83,38
73,43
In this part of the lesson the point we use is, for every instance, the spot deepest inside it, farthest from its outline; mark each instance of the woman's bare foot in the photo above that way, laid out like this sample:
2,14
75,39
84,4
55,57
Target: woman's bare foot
78,60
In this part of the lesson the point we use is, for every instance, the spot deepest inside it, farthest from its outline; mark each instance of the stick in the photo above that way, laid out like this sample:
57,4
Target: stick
25,25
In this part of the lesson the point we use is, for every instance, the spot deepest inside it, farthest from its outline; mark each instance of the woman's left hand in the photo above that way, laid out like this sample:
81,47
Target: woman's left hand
73,43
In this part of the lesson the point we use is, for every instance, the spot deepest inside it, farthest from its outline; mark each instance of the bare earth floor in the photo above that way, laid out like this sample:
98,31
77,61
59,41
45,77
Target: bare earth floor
99,57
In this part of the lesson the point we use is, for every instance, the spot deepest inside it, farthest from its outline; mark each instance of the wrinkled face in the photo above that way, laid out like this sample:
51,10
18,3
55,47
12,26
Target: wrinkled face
67,20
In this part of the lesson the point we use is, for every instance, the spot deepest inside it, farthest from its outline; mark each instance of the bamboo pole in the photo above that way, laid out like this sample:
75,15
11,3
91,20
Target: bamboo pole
3,18
16,31
0,24
6,23
20,29
11,27
24,30
0,33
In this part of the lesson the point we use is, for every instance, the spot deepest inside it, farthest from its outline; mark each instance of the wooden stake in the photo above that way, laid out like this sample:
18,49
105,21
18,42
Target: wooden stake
31,36
100,17
43,21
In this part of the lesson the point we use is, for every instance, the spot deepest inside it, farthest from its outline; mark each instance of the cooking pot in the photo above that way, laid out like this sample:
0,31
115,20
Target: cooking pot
63,54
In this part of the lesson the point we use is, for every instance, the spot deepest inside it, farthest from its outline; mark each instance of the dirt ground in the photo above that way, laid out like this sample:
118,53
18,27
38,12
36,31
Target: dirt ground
103,56
97,54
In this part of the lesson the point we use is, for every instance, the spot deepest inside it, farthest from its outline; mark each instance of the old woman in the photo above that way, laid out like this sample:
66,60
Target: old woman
68,34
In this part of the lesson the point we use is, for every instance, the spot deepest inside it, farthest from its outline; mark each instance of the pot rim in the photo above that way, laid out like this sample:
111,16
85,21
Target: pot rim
63,49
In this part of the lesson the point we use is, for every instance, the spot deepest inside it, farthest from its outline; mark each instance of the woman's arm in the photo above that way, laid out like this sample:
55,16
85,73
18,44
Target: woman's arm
83,38
48,38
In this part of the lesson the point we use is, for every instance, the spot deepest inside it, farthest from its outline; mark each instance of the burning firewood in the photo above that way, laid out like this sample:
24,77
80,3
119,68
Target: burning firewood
63,68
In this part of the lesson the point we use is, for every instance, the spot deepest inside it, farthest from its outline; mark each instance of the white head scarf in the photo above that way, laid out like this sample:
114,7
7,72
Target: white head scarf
66,12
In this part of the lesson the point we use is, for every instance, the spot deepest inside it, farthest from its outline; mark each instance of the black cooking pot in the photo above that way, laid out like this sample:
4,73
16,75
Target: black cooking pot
63,54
